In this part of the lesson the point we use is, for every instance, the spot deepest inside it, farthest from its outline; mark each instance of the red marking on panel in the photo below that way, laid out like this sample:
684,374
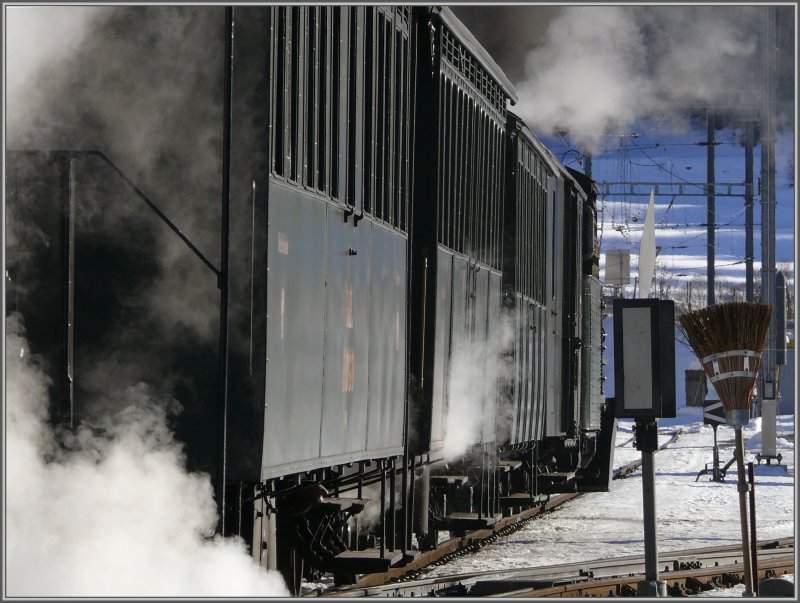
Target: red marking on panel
348,369
283,244
348,305
283,310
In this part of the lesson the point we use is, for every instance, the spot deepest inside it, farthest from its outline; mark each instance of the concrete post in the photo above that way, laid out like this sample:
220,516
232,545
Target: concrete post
769,410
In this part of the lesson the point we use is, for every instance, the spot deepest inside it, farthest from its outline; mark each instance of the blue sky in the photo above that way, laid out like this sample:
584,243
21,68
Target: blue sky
649,152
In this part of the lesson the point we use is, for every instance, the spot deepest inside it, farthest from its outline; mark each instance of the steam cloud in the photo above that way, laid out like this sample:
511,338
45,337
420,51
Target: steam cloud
143,85
594,70
114,512
28,62
630,64
476,367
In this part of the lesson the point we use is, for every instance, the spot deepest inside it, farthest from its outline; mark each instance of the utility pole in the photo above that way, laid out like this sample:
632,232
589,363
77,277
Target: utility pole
748,209
711,209
768,281
224,276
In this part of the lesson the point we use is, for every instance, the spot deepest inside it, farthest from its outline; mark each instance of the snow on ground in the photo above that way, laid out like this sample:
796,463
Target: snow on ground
734,591
689,513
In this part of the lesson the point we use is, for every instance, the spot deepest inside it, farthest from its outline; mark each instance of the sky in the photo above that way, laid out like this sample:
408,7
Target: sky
657,155
631,89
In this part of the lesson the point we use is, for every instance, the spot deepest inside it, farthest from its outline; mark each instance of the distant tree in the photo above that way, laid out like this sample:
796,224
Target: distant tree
692,295
665,287
696,293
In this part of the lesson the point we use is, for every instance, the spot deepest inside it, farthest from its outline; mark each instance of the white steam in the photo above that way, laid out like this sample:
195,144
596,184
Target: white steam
476,369
371,514
144,86
600,69
112,512
585,77
33,47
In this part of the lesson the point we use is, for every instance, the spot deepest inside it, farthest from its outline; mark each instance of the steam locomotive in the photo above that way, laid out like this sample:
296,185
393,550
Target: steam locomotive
393,233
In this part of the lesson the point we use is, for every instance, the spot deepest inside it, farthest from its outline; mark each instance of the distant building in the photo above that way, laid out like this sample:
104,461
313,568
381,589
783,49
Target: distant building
696,387
787,377
618,267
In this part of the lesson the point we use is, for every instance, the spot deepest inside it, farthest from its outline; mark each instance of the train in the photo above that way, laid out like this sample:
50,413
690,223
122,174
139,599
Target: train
404,262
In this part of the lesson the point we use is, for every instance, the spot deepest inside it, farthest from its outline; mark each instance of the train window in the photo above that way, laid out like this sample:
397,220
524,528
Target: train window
333,151
278,86
483,154
390,98
463,168
556,235
540,250
397,188
497,224
471,155
295,94
446,175
378,113
523,218
353,115
531,194
385,137
523,221
341,124
469,181
369,115
312,95
531,230
322,102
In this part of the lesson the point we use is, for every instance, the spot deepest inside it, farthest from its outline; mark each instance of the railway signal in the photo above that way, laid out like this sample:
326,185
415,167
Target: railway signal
644,341
714,415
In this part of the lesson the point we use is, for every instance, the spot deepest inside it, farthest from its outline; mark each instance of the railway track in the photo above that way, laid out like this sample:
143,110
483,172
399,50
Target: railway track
685,572
688,573
469,543
626,442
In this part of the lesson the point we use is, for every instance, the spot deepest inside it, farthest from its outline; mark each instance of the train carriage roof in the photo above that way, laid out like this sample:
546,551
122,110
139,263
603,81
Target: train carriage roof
545,153
580,181
464,35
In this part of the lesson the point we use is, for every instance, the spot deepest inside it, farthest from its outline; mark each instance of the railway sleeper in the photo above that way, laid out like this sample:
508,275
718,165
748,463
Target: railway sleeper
727,579
519,501
453,506
695,586
460,523
556,482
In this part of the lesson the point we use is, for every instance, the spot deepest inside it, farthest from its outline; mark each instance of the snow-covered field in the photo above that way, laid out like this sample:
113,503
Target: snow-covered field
689,513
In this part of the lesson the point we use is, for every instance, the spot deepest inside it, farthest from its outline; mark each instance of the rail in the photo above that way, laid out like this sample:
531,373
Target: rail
685,572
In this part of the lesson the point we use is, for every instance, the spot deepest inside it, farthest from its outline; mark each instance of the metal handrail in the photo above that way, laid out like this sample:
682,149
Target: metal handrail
150,203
